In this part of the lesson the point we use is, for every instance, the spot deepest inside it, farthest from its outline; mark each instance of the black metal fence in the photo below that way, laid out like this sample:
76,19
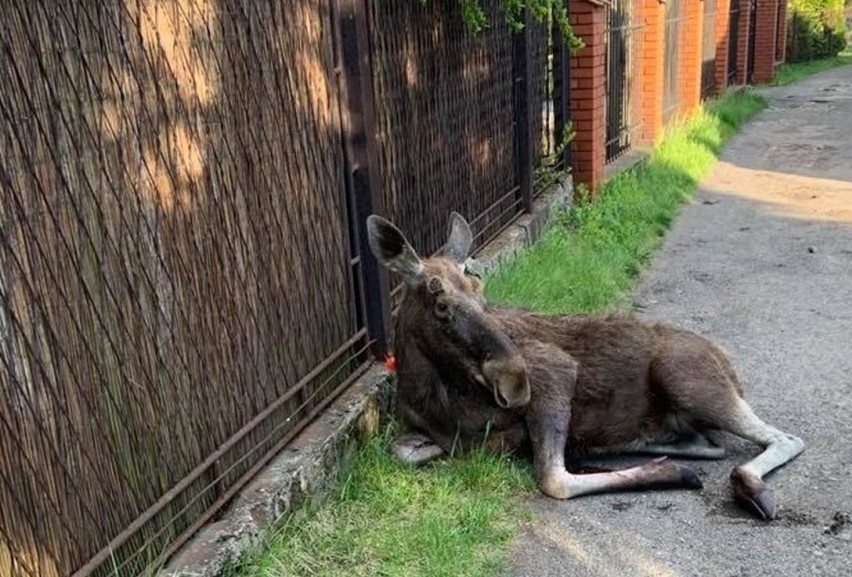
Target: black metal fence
183,275
733,40
671,59
620,46
752,29
708,50
780,29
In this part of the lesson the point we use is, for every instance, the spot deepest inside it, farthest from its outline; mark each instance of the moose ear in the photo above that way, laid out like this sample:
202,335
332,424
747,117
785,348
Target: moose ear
461,237
392,249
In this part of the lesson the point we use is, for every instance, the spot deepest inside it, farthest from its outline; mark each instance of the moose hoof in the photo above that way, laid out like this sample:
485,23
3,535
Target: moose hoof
689,478
415,449
753,494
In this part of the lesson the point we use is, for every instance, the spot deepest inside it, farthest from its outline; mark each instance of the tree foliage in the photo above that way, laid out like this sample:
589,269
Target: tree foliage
816,29
550,11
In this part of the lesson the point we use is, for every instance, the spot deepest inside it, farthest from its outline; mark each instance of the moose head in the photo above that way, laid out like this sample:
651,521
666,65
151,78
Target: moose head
444,313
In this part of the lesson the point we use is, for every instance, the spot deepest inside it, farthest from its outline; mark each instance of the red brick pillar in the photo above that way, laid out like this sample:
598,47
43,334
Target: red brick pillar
723,24
588,93
742,41
781,47
650,42
691,31
764,43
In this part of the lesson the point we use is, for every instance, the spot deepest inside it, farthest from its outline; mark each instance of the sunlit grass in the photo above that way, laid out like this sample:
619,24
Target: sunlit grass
788,73
589,259
451,518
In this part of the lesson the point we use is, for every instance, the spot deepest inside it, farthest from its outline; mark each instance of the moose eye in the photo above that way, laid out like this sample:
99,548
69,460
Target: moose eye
442,309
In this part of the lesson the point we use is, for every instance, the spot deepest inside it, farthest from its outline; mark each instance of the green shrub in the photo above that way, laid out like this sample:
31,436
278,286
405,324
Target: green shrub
815,29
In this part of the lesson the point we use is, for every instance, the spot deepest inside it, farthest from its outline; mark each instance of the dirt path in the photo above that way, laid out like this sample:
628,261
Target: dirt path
761,261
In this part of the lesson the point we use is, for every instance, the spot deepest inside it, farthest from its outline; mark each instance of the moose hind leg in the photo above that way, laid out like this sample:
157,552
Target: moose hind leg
549,432
659,473
692,446
778,448
548,419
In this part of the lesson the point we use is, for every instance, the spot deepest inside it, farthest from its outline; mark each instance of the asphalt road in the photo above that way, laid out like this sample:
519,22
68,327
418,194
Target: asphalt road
760,261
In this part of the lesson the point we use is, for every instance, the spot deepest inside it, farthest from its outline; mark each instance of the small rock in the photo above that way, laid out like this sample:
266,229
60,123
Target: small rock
811,249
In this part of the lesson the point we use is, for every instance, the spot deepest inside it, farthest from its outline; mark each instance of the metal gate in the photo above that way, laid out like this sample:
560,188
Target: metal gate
733,40
671,97
752,27
780,23
708,52
619,80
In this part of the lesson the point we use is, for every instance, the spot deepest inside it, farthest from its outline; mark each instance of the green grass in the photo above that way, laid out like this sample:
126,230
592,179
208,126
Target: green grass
457,516
587,262
788,73
452,518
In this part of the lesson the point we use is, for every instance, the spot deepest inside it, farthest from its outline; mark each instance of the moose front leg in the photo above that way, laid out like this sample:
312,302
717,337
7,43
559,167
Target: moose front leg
549,434
415,448
425,443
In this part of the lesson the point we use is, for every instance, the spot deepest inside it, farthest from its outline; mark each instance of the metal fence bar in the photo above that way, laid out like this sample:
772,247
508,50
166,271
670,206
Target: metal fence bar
708,51
733,40
780,23
521,63
364,179
561,94
119,540
619,38
752,36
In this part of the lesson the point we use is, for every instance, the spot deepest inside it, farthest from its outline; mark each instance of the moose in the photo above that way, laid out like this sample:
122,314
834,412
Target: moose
472,374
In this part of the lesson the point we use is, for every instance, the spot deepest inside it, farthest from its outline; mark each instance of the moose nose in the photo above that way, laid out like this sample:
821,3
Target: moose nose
507,377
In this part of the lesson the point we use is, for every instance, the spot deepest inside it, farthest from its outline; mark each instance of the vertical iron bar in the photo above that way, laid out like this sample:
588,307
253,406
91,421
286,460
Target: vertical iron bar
562,93
617,37
522,65
752,29
733,40
708,50
363,178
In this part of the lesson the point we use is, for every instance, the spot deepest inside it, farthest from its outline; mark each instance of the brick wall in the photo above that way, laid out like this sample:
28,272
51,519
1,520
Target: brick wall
588,69
764,44
588,93
649,71
689,69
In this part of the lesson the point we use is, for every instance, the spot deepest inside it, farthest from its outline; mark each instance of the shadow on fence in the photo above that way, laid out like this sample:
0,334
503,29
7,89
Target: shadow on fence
180,286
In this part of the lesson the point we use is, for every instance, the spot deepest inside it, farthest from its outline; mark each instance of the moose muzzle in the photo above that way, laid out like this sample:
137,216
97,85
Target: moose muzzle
507,377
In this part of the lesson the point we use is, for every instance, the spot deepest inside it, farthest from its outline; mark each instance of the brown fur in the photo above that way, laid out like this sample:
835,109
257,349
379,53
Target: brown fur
472,374
616,380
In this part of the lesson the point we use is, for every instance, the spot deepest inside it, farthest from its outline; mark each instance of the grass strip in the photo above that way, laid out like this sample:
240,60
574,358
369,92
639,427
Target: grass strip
588,260
793,72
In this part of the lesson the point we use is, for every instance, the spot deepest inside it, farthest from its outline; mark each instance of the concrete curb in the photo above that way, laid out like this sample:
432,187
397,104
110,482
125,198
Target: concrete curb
306,470
311,464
